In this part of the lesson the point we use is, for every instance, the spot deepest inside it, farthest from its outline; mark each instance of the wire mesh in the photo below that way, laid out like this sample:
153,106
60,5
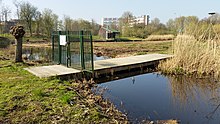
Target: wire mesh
77,53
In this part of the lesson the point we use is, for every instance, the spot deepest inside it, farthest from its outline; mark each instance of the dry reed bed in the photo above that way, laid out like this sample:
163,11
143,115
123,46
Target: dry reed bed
193,56
160,37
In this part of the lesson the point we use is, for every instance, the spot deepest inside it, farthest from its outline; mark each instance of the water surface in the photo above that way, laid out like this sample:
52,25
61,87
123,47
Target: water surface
45,54
156,97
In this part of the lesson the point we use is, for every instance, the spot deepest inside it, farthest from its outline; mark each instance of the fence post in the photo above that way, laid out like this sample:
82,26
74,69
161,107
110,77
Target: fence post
68,50
92,59
52,39
82,59
60,49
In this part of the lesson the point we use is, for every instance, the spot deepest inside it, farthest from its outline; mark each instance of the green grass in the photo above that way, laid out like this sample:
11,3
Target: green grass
28,99
9,36
26,37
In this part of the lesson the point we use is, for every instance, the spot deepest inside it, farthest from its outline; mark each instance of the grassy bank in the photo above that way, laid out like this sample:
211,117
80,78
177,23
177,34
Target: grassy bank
28,99
193,56
123,49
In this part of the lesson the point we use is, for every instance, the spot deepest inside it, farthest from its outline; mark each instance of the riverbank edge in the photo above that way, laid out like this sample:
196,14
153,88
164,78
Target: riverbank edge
78,98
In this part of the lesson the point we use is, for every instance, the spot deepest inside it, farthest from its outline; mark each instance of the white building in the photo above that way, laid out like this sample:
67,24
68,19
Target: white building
109,21
140,20
105,22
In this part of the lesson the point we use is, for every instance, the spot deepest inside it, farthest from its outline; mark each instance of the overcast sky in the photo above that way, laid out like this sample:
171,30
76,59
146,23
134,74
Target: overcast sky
96,9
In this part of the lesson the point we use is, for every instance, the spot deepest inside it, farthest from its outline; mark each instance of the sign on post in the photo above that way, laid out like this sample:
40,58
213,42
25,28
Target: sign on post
63,40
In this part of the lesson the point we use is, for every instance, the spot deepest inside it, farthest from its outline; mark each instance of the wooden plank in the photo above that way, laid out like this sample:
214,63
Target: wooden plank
100,66
52,70
133,60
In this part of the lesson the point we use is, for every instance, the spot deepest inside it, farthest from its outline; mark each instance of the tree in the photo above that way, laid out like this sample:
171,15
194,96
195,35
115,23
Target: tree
5,12
155,27
95,27
84,25
68,23
191,24
127,17
171,26
38,20
18,32
49,21
17,5
155,22
124,21
27,13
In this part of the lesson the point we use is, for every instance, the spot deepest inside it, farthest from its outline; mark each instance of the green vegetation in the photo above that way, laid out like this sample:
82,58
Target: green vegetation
26,38
28,99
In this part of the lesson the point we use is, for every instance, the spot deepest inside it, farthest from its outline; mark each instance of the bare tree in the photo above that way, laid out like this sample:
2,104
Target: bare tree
27,12
67,23
126,17
5,12
50,21
17,5
38,19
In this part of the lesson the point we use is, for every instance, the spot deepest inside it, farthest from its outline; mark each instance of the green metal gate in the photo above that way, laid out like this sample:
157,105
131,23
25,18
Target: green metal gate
73,49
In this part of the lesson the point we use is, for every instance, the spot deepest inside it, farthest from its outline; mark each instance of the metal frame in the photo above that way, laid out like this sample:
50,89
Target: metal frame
64,52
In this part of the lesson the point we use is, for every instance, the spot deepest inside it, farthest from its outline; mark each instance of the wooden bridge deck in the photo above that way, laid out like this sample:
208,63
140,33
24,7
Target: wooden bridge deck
52,70
101,66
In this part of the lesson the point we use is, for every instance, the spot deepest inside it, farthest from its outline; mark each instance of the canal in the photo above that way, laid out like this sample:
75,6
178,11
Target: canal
153,96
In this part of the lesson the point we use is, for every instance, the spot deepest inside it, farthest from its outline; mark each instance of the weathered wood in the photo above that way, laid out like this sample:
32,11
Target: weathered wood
52,70
121,64
102,66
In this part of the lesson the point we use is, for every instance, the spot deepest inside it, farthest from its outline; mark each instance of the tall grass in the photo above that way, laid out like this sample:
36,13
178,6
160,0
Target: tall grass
160,37
194,56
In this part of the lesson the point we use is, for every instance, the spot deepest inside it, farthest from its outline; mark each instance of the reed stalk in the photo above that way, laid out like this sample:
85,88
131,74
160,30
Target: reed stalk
192,55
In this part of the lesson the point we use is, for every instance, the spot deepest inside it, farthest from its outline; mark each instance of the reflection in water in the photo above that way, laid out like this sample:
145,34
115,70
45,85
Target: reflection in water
156,97
45,54
37,53
187,90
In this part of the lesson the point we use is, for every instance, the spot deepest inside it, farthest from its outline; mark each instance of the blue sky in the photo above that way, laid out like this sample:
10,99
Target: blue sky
96,9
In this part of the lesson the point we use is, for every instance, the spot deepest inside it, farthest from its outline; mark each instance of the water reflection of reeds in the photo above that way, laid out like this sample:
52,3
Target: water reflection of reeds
187,90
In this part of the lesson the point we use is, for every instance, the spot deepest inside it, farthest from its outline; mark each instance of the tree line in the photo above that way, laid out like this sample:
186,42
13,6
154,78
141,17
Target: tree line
43,22
190,25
